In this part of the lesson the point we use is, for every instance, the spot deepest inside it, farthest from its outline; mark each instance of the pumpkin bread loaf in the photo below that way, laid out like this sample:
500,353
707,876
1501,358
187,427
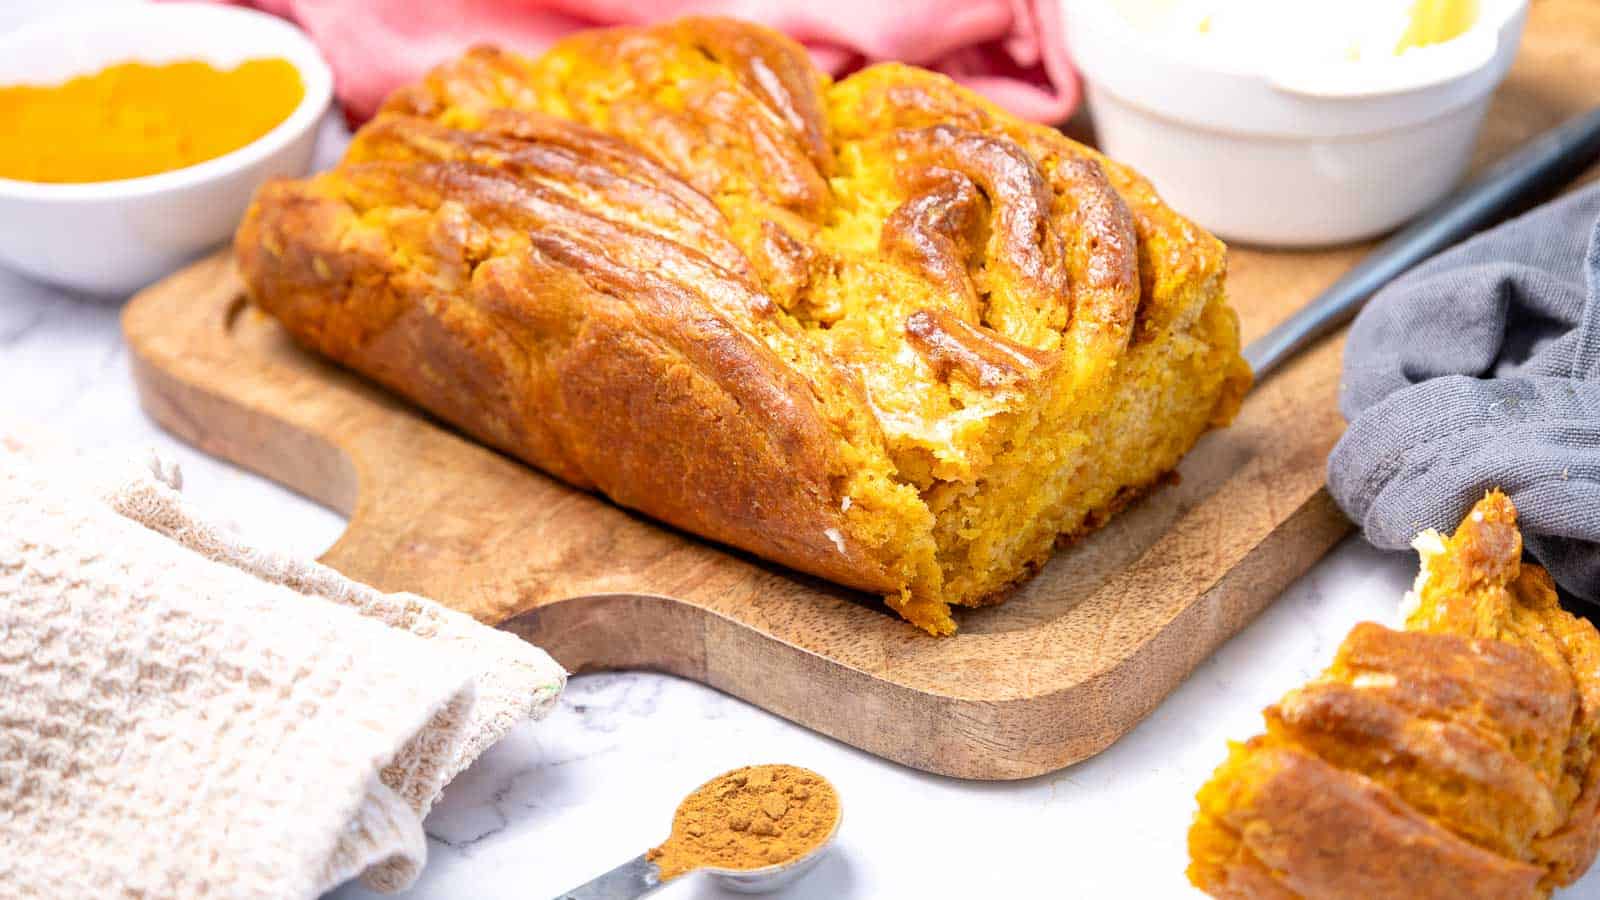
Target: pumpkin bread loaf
1455,759
876,330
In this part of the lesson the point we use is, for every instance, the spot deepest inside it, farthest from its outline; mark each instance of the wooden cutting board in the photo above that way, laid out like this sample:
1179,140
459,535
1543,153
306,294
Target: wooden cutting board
1071,662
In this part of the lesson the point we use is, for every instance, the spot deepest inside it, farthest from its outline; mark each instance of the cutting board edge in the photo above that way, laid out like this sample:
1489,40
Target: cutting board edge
714,650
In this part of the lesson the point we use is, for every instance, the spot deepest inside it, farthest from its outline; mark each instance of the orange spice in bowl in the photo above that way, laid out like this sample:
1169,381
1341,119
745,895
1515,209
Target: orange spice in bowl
750,818
112,237
135,119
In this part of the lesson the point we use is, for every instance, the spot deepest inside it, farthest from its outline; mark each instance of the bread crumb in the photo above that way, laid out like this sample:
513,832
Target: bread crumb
837,538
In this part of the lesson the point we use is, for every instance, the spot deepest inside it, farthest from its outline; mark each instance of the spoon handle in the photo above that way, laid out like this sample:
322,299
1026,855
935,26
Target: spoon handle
1540,167
634,878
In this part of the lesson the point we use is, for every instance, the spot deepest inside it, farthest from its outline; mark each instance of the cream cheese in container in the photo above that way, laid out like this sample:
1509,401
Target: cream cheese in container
1293,122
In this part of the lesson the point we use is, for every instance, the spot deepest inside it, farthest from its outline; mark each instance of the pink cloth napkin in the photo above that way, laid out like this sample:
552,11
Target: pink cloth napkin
1013,51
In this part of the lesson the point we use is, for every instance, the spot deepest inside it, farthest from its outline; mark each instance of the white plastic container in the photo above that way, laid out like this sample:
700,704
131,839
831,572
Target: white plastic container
114,237
1289,154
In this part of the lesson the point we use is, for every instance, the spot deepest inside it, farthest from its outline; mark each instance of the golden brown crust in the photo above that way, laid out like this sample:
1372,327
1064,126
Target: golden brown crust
603,331
676,265
1307,828
1454,759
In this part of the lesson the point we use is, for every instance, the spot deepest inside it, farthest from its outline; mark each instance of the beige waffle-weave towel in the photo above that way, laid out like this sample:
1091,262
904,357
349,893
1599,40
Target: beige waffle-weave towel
182,715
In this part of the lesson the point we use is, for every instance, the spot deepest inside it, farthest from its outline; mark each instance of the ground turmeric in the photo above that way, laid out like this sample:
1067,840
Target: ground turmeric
749,818
137,119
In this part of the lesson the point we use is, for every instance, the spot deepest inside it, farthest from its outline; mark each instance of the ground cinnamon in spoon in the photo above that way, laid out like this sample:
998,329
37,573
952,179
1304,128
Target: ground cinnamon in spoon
749,818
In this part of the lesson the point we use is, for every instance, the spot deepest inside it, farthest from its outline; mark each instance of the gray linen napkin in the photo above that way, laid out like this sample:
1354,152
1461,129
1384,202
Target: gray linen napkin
1481,368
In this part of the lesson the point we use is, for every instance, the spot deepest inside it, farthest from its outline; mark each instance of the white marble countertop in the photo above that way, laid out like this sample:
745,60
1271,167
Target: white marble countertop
560,800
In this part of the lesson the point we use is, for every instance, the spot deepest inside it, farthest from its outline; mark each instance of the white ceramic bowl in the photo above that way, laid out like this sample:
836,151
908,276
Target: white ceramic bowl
1306,155
113,237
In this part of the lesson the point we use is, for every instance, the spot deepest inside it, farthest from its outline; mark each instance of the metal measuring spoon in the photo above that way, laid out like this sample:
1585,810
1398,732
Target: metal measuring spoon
639,876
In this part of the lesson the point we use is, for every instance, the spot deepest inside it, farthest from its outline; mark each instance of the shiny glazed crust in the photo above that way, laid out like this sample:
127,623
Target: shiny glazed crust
1455,759
845,327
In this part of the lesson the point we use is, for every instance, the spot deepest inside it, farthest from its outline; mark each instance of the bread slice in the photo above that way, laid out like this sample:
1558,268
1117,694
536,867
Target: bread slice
876,330
1454,759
